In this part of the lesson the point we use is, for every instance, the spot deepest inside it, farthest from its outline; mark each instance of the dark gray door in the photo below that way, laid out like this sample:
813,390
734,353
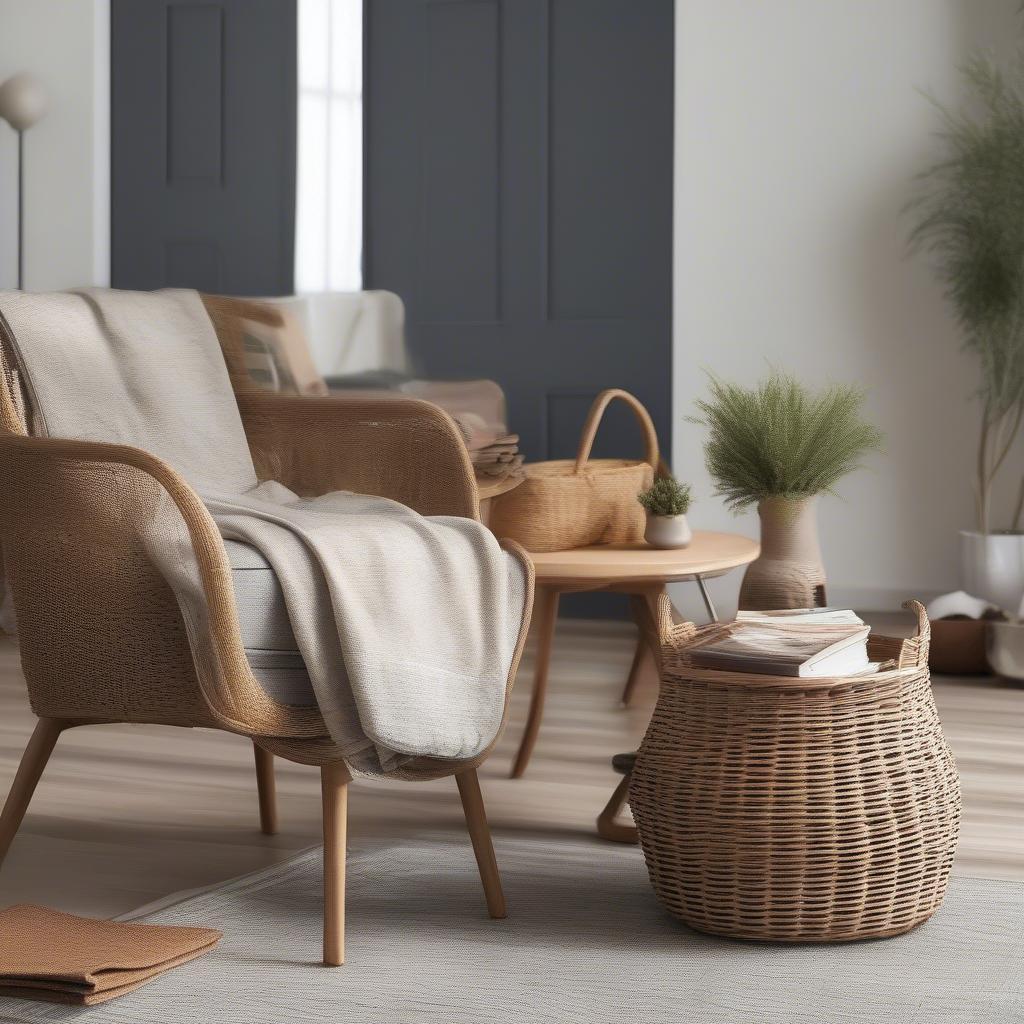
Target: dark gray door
203,111
519,199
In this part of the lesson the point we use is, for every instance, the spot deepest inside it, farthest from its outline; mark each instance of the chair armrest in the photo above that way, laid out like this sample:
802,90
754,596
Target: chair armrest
102,636
483,397
394,447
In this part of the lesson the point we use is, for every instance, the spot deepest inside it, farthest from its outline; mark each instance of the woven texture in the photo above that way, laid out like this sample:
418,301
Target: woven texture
102,637
569,504
797,810
586,943
789,572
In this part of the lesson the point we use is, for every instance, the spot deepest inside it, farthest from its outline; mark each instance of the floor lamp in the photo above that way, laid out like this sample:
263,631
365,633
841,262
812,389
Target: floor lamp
23,101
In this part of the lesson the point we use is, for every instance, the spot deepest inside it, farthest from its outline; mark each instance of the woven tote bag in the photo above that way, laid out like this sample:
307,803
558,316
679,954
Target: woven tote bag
797,810
570,504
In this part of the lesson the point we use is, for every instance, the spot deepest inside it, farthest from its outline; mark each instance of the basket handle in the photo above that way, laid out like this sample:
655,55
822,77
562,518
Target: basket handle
914,653
657,618
594,421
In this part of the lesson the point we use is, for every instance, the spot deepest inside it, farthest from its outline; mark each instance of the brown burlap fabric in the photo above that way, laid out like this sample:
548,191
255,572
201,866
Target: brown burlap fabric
56,957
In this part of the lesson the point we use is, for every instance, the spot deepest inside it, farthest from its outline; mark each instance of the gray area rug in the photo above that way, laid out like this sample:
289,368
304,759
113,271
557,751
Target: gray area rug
585,942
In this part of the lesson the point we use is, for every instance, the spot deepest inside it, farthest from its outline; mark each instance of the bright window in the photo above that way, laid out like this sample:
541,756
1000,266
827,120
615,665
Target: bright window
329,184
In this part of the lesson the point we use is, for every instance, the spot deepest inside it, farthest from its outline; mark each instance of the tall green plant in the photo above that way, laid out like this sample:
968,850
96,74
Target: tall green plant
781,440
970,216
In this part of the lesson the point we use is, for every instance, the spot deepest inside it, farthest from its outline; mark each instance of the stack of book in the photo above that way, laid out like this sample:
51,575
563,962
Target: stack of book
493,451
803,643
499,459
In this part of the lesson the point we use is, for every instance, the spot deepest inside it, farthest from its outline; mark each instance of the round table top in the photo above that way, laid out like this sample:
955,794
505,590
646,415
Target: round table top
708,554
487,489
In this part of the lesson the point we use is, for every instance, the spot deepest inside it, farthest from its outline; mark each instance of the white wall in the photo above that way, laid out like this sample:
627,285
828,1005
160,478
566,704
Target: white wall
67,154
799,125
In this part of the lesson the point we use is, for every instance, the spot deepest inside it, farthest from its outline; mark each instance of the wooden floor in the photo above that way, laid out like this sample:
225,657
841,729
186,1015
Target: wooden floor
127,814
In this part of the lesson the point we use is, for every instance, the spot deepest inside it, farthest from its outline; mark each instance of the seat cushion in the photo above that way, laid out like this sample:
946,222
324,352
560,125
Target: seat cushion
266,631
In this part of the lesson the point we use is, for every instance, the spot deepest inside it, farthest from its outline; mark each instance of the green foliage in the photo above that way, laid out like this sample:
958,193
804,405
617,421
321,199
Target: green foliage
969,214
781,440
666,497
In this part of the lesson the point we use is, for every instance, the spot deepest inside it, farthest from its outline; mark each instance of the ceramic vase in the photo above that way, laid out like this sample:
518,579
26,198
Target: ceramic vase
789,572
667,531
992,568
1006,649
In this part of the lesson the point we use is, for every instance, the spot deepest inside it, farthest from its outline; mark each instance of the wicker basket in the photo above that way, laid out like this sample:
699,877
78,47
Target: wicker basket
573,503
800,810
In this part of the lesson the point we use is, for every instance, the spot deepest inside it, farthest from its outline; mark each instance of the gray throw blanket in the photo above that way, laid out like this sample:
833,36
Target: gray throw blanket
407,625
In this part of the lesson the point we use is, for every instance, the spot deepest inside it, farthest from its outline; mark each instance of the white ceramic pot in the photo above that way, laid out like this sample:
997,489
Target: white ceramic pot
1006,648
667,531
992,567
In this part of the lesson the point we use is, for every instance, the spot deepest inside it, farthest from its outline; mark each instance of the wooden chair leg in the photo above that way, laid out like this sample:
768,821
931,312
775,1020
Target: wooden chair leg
33,761
480,834
267,789
640,657
334,780
548,600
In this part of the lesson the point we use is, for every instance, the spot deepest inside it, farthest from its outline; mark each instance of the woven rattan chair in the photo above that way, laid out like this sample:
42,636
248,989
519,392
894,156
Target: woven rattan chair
101,634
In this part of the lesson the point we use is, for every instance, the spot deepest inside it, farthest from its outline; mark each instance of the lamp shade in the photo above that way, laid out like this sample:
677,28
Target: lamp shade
23,101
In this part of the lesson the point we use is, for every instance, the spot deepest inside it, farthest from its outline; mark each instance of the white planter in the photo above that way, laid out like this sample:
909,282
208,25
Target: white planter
992,567
667,531
1006,648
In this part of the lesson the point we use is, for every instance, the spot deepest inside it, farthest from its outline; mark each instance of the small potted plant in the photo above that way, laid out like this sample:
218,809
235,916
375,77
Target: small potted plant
666,502
970,215
778,446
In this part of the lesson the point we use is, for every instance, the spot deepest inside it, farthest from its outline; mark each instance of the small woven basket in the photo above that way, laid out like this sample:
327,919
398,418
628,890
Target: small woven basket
573,503
797,810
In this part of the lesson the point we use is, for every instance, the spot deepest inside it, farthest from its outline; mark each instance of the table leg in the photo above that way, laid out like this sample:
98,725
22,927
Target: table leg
548,605
640,657
708,603
608,825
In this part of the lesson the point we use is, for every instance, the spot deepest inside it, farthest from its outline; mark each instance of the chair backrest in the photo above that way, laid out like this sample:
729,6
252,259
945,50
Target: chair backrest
228,316
348,332
14,415
12,421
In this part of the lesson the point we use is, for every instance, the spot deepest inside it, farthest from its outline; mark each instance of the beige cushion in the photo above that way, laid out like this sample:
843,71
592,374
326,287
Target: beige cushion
278,358
266,630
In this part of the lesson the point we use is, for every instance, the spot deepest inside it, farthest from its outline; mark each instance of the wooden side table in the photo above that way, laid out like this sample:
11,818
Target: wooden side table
488,490
637,570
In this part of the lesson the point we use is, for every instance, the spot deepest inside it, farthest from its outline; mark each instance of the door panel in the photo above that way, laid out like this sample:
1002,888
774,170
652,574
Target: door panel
459,267
519,199
607,242
203,112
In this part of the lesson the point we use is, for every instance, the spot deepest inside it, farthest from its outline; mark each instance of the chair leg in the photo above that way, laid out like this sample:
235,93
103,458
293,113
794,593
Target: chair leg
334,780
548,602
267,788
33,761
480,834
